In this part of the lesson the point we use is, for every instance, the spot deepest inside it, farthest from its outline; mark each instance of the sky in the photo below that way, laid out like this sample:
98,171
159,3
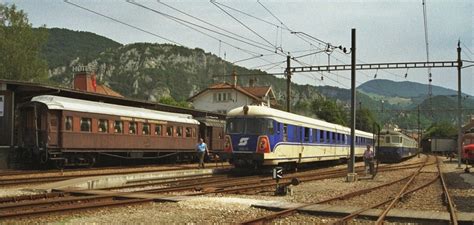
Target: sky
386,31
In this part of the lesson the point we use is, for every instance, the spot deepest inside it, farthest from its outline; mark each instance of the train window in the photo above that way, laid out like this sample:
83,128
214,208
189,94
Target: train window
188,132
315,136
169,131
118,126
146,129
306,134
285,132
86,124
158,130
395,139
387,139
179,131
333,135
194,132
270,127
68,123
343,138
321,136
278,127
103,125
132,128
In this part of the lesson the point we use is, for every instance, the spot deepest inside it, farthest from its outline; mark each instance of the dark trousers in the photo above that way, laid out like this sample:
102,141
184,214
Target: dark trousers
201,158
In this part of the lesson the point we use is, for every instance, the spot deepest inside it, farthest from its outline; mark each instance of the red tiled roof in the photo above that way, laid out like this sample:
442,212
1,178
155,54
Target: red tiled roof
258,91
102,89
226,85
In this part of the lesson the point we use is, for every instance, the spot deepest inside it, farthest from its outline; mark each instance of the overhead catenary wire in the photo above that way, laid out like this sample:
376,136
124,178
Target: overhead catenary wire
243,24
210,24
199,26
123,23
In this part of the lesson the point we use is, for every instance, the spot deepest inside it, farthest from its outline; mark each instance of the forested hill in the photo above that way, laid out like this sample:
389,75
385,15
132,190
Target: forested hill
404,89
64,46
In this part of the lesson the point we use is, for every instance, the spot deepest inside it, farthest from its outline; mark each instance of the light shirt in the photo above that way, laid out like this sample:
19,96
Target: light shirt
201,147
368,154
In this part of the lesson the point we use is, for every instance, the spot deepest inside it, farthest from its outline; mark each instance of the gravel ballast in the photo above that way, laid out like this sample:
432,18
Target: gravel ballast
230,209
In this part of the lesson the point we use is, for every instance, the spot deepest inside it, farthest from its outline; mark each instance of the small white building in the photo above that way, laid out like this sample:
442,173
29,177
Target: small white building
222,97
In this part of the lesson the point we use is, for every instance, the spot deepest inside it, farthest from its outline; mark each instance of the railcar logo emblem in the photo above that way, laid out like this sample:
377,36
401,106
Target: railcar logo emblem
243,141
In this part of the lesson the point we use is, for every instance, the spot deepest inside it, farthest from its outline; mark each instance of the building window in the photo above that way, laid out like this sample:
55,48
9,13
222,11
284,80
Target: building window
222,97
86,124
146,129
103,125
158,130
169,131
188,132
118,126
68,123
132,128
179,131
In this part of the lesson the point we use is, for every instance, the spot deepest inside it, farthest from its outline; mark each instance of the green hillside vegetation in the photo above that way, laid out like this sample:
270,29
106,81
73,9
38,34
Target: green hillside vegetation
404,89
63,46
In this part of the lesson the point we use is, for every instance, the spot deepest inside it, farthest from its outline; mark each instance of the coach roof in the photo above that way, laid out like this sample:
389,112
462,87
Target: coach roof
291,118
77,105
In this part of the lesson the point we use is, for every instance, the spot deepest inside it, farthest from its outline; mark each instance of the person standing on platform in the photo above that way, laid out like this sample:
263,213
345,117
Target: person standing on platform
368,160
202,150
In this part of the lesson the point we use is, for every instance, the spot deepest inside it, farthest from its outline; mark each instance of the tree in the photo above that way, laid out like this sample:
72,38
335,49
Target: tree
365,120
171,101
442,129
20,47
329,111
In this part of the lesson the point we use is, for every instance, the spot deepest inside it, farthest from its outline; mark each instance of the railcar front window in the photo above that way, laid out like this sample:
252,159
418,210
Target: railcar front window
249,126
387,140
395,139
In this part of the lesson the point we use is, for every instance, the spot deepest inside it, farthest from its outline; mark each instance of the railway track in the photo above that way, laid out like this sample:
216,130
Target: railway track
20,178
386,204
203,185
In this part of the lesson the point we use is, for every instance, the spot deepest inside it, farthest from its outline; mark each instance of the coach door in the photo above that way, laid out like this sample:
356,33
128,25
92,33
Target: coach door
53,131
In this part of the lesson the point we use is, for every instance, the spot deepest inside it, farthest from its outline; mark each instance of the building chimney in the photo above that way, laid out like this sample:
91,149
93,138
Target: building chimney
85,81
234,77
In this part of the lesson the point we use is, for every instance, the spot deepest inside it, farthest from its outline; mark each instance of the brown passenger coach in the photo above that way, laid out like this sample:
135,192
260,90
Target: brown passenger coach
67,131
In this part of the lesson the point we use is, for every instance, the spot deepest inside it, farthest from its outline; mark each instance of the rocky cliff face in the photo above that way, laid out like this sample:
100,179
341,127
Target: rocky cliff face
152,71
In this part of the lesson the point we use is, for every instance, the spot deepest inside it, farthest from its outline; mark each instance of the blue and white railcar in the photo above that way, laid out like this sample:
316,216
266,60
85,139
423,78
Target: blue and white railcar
261,136
395,146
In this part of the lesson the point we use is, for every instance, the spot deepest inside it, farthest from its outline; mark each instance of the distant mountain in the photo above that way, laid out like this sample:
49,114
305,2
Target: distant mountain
404,89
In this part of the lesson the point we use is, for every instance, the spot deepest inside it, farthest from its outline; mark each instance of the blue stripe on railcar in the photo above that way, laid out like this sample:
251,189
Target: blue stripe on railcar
296,135
394,154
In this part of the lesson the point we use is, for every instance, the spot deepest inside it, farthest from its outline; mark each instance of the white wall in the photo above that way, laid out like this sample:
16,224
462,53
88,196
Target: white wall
205,101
